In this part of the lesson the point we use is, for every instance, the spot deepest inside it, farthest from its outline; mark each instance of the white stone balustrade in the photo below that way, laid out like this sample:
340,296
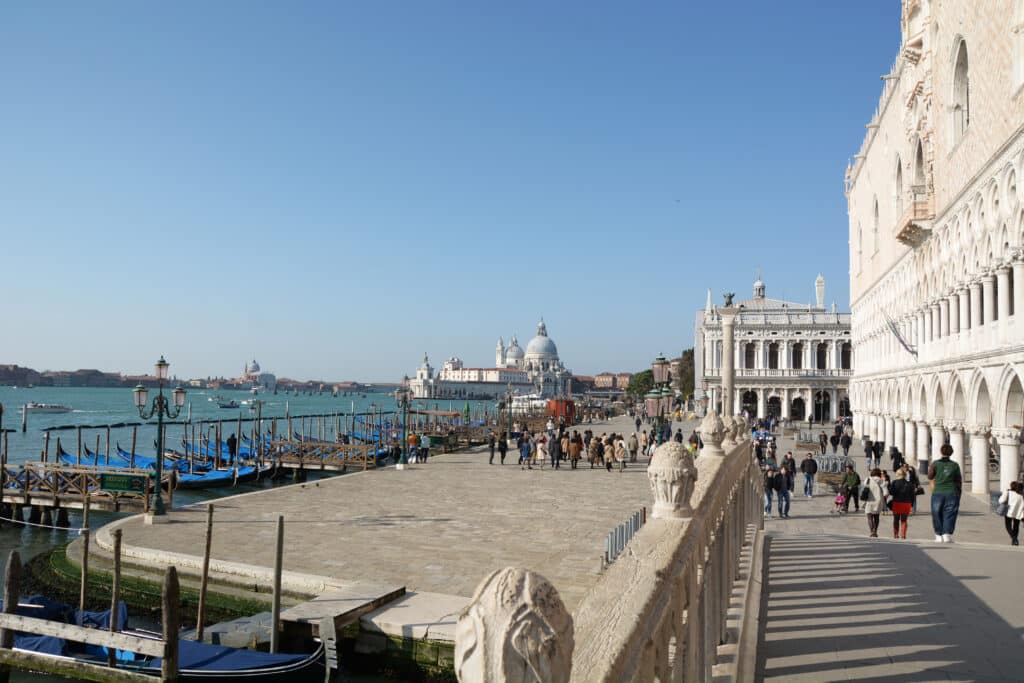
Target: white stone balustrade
659,612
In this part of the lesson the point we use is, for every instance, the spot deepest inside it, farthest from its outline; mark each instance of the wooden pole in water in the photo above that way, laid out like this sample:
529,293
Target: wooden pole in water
46,446
85,553
201,614
275,620
97,451
108,444
171,621
79,451
24,418
3,461
12,588
115,593
131,460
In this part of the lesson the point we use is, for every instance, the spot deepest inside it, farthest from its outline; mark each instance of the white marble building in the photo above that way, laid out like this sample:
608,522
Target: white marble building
936,233
538,370
792,360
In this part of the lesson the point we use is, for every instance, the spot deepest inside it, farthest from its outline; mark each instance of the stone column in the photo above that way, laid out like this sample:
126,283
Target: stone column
956,440
761,402
964,303
922,328
890,428
936,321
943,317
898,436
1009,455
988,296
729,357
1018,282
975,305
910,441
938,437
1003,294
922,454
979,459
833,404
953,304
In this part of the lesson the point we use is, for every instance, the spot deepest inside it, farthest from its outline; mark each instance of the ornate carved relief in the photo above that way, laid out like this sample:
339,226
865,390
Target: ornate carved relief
672,476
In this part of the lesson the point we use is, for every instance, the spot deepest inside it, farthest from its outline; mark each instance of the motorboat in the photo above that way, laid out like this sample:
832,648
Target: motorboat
227,404
33,407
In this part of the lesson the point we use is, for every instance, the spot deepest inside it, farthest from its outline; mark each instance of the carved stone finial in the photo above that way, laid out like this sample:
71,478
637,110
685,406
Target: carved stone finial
516,629
672,476
742,429
729,431
712,431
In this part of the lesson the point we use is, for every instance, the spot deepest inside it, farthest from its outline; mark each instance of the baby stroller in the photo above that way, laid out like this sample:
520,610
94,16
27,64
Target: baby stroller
839,502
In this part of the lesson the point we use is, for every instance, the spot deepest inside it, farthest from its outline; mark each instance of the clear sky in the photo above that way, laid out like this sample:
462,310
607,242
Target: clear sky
338,187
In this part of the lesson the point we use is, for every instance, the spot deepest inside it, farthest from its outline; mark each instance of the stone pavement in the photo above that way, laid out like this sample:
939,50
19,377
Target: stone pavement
439,527
841,606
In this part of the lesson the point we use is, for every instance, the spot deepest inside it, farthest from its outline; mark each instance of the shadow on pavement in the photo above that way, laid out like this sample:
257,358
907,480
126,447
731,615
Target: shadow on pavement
843,608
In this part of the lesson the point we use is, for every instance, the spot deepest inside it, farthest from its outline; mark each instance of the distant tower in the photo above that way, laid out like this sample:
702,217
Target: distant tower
707,305
819,290
759,287
499,354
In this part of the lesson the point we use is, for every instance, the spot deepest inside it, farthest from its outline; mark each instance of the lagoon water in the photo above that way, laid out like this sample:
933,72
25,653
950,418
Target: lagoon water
93,409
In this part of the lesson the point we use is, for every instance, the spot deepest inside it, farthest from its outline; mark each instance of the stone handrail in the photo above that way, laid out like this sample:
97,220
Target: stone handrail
658,612
785,372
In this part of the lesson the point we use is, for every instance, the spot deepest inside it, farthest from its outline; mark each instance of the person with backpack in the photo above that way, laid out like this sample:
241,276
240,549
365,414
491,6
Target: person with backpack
947,485
850,486
875,497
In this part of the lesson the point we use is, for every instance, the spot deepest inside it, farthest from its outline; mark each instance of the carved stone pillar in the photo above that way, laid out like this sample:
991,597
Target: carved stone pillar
936,321
1003,294
953,304
938,438
922,452
988,295
516,629
1018,282
728,358
975,305
910,441
963,298
956,440
889,430
1009,456
898,435
979,458
672,474
943,317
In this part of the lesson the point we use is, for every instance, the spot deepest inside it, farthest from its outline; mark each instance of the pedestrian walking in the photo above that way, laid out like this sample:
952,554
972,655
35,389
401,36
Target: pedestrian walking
834,441
845,441
790,464
869,453
849,484
502,448
594,451
875,496
575,448
1011,506
947,484
524,452
809,467
491,443
783,487
769,490
903,495
823,443
633,446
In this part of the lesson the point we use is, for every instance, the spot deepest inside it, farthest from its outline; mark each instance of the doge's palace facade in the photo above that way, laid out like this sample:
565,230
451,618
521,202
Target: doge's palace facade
936,233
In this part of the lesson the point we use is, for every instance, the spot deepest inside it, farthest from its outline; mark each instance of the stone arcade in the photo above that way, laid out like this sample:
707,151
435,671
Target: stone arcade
792,360
936,237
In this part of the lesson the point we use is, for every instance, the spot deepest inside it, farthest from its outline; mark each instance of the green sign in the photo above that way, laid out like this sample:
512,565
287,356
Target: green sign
123,483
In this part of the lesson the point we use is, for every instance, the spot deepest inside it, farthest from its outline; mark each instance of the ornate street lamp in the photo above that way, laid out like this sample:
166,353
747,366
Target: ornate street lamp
402,400
658,400
160,408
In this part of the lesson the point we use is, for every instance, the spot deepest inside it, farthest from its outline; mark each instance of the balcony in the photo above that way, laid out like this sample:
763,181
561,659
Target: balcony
787,373
915,225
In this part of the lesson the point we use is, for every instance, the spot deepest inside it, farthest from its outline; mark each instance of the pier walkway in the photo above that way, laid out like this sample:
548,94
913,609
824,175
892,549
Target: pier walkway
438,527
841,606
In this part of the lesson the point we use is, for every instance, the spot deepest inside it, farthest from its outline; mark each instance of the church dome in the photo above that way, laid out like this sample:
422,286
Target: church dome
541,346
254,366
513,352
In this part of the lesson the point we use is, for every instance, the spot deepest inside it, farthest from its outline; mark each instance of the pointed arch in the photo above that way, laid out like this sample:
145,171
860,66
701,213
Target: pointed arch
1011,410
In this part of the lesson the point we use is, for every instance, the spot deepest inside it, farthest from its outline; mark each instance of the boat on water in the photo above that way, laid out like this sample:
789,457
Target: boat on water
34,407
227,404
197,662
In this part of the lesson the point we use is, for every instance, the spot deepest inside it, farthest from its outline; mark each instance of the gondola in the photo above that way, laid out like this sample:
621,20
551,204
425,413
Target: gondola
197,662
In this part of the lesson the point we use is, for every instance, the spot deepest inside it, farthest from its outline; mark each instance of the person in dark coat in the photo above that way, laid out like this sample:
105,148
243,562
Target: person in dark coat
490,445
782,484
823,442
845,441
233,446
834,440
503,448
809,467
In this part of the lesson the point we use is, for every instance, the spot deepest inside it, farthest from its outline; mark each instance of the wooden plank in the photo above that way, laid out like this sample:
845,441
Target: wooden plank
79,671
343,605
80,634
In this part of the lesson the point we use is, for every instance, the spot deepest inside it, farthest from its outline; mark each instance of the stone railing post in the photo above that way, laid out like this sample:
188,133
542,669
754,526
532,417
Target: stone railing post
516,629
672,476
712,433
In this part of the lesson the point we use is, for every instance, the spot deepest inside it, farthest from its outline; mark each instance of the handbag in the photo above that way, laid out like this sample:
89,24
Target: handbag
865,494
919,491
1002,509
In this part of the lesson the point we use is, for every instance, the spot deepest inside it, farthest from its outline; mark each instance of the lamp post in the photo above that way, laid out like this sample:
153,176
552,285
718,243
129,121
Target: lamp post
160,408
402,400
508,422
659,399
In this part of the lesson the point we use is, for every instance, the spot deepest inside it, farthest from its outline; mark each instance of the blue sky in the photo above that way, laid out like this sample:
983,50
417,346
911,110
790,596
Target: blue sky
336,188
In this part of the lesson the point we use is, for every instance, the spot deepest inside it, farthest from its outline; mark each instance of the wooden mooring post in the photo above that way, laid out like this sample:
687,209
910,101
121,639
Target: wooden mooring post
84,585
115,594
275,610
201,612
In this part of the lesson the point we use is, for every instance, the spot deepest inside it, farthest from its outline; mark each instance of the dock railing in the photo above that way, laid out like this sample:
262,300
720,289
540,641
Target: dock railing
659,611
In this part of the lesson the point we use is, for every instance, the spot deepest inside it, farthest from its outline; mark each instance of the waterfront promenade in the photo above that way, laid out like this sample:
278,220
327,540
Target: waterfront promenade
438,528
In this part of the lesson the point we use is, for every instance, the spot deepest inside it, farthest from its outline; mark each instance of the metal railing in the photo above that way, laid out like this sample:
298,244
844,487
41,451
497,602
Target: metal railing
620,536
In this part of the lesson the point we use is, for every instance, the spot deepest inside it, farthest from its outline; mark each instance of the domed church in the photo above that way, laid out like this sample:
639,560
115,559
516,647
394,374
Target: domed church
538,370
